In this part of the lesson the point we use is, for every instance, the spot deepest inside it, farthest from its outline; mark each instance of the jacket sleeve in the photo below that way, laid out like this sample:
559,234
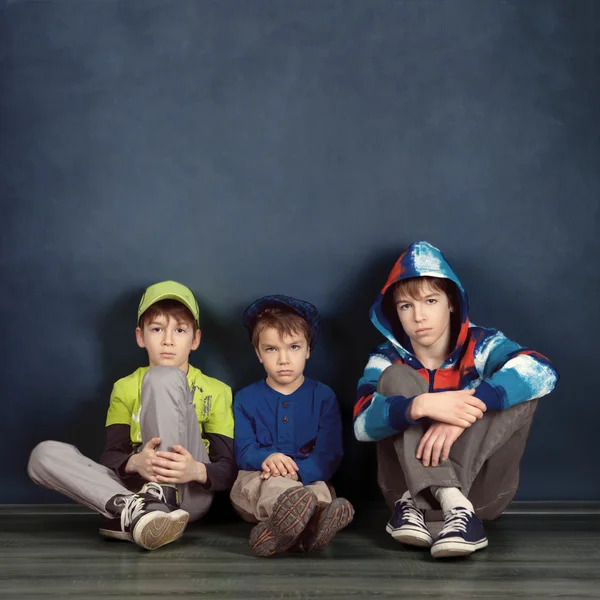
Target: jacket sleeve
510,373
326,455
375,416
249,454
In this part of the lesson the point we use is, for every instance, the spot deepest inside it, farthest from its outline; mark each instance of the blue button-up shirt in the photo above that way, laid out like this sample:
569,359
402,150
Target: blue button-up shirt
305,425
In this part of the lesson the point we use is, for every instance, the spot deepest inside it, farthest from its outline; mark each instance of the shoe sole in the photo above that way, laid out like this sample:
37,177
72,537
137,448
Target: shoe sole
156,528
291,514
337,515
455,548
111,534
411,537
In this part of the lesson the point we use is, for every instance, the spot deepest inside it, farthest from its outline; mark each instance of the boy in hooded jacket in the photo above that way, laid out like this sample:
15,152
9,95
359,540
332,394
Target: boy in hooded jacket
450,405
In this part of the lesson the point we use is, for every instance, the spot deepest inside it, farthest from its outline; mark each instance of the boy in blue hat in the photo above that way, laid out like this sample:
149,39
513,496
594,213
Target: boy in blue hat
288,436
169,433
449,404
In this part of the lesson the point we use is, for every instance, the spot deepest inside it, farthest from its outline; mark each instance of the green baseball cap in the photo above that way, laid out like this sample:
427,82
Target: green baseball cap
169,290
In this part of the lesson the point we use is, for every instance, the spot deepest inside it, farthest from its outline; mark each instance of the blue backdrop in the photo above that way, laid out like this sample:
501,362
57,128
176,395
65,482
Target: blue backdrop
254,147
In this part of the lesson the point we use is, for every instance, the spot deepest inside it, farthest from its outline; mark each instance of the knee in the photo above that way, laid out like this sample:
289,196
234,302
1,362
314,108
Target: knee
401,380
165,378
42,456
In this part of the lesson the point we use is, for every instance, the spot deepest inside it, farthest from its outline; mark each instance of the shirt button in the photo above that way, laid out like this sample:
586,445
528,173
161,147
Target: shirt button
285,405
285,419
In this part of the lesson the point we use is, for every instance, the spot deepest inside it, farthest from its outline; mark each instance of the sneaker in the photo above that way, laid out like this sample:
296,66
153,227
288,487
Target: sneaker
461,535
326,521
145,520
165,493
291,513
407,525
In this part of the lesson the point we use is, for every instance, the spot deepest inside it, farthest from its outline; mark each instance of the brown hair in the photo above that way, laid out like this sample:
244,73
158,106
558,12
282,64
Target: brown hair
168,308
285,322
414,287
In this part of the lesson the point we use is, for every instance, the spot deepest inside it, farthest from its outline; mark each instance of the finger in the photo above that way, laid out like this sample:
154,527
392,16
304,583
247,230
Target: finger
290,465
446,450
436,451
280,467
427,451
172,456
166,471
153,443
422,443
477,403
180,450
294,465
474,411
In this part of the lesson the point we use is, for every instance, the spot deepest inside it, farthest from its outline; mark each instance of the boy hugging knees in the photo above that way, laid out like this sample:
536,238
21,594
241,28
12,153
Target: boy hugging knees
288,436
169,434
450,405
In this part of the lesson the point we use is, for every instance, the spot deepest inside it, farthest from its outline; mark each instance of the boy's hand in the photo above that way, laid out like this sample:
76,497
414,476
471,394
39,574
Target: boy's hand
435,445
455,408
279,464
141,462
178,467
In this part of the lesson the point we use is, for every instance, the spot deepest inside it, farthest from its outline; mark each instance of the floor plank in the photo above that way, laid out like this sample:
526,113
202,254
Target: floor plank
531,556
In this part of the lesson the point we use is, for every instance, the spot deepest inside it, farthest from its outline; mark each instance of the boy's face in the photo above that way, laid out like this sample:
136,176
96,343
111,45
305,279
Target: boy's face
283,357
426,320
168,341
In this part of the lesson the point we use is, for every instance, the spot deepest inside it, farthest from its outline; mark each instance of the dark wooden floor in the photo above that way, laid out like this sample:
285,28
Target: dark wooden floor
57,554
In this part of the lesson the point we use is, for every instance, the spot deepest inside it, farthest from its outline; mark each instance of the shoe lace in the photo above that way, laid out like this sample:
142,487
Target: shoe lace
155,490
458,520
133,508
412,514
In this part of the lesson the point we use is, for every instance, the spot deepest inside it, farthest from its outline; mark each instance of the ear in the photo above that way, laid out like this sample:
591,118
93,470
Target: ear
197,337
307,353
258,354
139,337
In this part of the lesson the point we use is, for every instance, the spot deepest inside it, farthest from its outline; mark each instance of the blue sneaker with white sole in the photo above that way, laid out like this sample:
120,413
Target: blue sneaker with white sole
461,535
407,525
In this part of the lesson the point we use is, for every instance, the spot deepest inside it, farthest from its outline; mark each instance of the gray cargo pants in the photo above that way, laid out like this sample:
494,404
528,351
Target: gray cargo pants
483,463
167,412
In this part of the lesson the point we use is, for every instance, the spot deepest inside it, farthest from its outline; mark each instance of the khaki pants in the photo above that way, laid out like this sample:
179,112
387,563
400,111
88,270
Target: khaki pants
253,498
483,463
167,412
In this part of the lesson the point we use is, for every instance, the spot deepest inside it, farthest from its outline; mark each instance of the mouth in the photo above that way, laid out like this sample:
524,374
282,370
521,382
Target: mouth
285,372
423,331
167,354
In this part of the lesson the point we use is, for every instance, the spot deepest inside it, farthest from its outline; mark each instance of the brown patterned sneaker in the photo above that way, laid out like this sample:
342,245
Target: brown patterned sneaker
326,522
291,514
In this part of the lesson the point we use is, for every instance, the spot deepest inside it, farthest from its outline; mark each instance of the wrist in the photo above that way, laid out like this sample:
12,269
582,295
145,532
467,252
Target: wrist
417,409
201,474
131,464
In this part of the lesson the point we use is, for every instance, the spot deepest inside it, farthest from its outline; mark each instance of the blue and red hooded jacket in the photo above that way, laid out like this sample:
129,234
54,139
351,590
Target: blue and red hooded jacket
503,372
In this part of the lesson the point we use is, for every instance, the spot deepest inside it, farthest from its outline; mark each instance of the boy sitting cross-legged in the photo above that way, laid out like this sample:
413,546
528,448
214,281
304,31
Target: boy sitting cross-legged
288,436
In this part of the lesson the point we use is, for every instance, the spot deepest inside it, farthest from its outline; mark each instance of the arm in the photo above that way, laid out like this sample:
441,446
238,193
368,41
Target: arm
511,373
375,416
249,454
326,455
118,450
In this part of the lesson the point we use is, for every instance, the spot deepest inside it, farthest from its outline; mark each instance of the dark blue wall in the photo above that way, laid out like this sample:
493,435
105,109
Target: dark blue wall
253,147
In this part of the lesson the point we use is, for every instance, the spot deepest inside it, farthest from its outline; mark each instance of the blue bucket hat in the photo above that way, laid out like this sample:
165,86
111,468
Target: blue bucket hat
304,309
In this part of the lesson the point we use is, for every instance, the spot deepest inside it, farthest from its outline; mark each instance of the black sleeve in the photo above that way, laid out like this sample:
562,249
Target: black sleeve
222,470
117,450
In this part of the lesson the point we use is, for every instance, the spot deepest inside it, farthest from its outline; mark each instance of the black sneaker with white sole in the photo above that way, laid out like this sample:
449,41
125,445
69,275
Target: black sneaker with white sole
144,519
461,535
407,525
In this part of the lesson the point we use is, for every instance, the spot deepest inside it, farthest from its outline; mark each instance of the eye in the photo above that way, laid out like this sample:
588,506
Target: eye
180,330
404,306
295,347
155,329
431,301
269,349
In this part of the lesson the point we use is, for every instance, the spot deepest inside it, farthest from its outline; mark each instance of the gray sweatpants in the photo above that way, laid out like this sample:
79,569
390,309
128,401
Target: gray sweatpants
167,412
483,462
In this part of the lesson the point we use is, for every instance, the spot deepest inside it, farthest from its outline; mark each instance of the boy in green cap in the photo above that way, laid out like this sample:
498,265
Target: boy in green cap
169,434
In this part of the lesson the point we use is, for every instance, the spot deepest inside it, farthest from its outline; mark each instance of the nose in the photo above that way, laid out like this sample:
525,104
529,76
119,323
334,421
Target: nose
168,338
418,314
283,357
